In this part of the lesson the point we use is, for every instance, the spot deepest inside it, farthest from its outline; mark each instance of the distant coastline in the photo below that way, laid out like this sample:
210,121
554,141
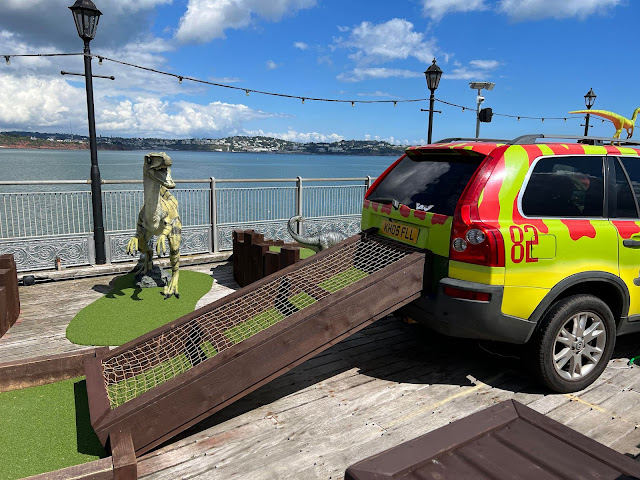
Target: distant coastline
238,144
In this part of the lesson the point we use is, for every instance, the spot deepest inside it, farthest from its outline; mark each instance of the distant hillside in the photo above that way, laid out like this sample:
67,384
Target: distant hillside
228,144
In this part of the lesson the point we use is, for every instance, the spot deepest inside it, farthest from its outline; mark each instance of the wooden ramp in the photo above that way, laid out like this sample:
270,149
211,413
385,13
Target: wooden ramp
156,386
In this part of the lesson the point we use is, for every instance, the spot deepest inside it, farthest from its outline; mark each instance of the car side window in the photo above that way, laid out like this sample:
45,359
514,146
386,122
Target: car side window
632,167
565,187
625,202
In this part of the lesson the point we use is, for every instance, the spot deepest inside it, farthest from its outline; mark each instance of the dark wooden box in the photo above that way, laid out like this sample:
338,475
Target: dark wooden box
252,259
9,298
506,441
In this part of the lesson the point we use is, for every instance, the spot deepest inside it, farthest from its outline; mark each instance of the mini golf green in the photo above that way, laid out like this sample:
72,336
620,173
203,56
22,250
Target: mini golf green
46,428
127,312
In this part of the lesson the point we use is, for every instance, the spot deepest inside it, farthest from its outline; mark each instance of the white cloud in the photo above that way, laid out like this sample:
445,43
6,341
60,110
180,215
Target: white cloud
359,74
377,93
32,102
300,45
301,137
484,64
154,117
392,40
537,9
205,20
271,65
436,9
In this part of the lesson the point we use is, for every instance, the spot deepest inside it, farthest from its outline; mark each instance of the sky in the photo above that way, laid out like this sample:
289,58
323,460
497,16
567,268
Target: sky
542,55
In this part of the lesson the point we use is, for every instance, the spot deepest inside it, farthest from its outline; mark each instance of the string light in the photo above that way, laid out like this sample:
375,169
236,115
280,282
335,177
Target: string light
542,120
7,59
284,95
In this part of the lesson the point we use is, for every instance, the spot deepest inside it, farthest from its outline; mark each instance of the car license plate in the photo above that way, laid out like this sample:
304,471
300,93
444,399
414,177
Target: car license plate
399,231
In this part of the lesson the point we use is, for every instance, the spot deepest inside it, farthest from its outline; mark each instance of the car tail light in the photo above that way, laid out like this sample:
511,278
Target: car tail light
467,294
473,241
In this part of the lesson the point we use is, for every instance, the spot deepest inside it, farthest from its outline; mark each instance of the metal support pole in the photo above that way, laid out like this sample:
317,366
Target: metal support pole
367,183
478,114
299,202
96,186
586,124
431,101
213,214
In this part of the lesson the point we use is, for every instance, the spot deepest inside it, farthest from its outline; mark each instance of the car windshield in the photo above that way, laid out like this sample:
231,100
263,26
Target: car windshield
428,182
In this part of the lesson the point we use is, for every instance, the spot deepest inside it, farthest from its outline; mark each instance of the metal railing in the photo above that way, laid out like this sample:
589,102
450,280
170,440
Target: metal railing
38,226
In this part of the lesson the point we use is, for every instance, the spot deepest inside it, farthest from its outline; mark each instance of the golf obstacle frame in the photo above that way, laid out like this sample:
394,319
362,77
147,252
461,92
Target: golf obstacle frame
308,312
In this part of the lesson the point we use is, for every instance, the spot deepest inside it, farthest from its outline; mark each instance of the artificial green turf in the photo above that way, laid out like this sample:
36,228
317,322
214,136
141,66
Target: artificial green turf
255,324
45,428
304,252
127,312
122,391
302,300
208,349
343,279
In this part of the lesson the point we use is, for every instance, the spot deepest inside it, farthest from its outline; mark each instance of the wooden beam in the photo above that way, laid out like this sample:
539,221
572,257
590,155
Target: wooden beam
48,369
125,465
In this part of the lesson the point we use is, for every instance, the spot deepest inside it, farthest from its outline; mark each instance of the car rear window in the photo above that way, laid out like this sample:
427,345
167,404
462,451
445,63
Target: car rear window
428,182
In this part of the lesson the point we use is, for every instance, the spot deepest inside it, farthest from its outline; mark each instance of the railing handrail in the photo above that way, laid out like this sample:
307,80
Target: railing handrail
196,180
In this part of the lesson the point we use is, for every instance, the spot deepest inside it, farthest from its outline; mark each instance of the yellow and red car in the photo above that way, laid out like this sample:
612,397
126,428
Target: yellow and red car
531,243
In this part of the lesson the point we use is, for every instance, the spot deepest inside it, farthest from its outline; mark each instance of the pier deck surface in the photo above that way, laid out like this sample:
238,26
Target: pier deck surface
386,384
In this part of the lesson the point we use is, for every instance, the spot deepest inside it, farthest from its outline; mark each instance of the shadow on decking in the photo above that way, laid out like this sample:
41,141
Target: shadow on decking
393,351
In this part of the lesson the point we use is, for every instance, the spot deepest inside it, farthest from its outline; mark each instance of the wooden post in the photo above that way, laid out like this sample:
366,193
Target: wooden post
271,263
238,254
4,312
289,256
9,280
257,260
125,465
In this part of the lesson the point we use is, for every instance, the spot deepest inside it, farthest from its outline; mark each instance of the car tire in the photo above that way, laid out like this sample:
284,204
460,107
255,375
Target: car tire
573,344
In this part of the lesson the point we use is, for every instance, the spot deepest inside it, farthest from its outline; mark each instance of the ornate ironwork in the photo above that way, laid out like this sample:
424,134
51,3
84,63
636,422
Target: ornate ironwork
41,253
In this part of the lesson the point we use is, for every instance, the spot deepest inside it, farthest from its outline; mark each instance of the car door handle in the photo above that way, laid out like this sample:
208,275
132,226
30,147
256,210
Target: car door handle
631,243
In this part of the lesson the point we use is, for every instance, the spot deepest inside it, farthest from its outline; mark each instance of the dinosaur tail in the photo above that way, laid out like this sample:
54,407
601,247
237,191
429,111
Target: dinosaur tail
311,241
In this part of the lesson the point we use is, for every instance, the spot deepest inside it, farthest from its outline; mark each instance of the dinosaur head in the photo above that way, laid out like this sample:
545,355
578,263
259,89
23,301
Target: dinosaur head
157,168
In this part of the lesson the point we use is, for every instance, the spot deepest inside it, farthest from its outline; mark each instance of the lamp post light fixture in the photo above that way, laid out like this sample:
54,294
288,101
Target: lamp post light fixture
589,100
433,74
86,17
488,86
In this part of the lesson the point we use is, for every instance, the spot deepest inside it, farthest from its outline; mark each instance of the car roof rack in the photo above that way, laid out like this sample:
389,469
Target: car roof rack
473,139
531,138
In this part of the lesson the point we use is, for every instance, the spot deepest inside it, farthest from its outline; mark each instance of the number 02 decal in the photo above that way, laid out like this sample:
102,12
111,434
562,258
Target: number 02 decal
521,248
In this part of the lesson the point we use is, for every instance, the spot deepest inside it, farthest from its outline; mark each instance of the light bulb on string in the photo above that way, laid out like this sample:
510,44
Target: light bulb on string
353,104
395,104
247,92
303,100
180,80
99,60
7,59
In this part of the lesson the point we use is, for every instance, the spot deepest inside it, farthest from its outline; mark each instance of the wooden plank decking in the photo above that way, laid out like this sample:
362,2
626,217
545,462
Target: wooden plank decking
386,384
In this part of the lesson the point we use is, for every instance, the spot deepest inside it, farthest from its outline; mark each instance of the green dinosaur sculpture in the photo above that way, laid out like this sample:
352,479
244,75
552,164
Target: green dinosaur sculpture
619,121
158,216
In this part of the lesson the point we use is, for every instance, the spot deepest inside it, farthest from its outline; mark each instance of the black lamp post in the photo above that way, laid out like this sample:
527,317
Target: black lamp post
86,16
589,100
433,74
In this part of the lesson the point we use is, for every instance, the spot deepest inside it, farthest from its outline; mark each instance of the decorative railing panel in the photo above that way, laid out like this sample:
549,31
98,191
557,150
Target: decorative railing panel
39,227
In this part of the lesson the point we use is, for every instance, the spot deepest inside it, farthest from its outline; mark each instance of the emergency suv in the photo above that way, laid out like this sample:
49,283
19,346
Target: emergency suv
531,243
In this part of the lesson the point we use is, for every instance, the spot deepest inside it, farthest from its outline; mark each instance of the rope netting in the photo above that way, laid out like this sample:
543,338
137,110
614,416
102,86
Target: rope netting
144,366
